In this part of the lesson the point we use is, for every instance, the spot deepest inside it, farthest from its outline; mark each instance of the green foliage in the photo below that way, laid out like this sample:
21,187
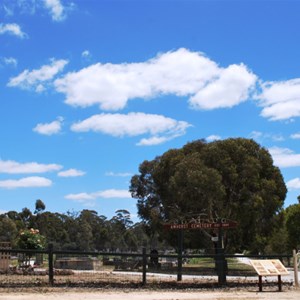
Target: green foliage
83,231
26,217
293,225
278,242
8,229
31,239
233,179
39,206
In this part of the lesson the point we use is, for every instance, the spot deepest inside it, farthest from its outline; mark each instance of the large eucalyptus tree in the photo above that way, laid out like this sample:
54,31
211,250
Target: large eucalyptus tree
233,179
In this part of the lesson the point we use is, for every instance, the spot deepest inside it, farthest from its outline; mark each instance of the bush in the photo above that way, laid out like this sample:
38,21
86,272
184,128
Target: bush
31,239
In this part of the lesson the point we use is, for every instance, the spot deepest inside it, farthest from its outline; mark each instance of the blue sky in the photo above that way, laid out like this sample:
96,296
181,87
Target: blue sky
90,89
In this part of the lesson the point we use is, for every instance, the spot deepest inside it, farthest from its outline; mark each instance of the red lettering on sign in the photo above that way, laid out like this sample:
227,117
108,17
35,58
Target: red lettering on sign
202,225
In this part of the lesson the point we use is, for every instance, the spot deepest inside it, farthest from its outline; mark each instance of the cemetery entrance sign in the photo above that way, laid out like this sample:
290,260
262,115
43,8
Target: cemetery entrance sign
201,224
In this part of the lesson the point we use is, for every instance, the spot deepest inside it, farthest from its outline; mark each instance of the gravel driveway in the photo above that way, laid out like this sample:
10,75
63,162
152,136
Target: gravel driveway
156,295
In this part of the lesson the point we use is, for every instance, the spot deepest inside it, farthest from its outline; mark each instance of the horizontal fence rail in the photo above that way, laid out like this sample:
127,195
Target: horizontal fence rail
87,269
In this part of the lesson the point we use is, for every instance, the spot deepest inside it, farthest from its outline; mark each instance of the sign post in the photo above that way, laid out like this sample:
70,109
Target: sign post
272,267
204,224
221,263
295,261
180,249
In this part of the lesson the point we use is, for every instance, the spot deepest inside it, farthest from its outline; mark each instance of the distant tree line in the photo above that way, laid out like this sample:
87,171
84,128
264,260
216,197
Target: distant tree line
84,230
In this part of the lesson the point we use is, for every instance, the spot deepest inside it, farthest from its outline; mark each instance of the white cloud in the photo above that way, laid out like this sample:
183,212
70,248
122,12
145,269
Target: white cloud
257,135
284,157
27,182
85,53
277,137
49,128
181,72
295,136
71,173
106,194
133,124
80,196
36,78
280,100
57,10
113,193
40,88
213,137
13,29
293,184
125,174
13,167
229,89
154,140
10,61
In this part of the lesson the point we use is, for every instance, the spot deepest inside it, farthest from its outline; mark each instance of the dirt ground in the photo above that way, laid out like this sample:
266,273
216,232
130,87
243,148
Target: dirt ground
290,294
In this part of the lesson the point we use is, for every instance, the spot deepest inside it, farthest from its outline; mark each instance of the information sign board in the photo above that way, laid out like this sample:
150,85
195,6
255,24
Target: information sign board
269,267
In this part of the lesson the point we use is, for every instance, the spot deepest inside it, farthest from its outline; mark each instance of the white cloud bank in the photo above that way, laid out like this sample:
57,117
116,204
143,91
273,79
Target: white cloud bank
27,182
12,29
293,184
230,88
133,124
258,135
295,136
120,174
37,78
57,9
106,194
284,157
280,100
49,128
213,137
181,73
71,173
13,167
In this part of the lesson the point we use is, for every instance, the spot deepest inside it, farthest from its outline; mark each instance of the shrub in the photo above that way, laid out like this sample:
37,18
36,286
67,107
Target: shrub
31,239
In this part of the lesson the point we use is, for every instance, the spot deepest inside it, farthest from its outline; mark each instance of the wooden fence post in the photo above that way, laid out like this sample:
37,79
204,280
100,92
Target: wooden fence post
144,266
179,258
50,263
295,260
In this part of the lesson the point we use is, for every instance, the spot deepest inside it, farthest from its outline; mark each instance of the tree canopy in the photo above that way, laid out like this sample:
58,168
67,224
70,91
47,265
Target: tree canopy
85,230
39,206
233,179
293,225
